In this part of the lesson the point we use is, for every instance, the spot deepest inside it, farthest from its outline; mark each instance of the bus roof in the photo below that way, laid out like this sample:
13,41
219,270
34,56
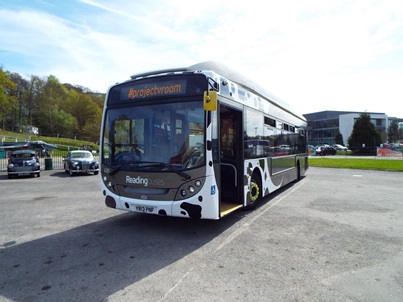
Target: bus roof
231,75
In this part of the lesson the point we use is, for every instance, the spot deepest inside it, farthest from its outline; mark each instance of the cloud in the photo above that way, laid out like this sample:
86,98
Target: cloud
310,52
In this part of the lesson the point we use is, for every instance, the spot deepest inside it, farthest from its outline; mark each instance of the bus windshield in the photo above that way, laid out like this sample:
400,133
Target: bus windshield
160,137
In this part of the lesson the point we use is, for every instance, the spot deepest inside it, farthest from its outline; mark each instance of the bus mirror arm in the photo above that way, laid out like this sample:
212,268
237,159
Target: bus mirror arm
210,100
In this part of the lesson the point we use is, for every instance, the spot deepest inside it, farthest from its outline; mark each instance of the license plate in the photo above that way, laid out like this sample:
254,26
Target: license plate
144,209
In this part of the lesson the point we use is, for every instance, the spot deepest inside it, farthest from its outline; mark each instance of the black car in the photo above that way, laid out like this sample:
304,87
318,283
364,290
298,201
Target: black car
326,151
23,162
80,161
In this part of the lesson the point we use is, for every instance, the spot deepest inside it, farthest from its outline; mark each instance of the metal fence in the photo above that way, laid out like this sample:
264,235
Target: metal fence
54,162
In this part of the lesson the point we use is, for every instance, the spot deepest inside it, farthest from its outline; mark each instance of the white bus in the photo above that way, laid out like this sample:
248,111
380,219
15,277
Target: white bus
197,142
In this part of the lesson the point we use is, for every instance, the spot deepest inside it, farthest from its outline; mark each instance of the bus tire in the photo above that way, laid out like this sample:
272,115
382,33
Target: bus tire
255,192
298,171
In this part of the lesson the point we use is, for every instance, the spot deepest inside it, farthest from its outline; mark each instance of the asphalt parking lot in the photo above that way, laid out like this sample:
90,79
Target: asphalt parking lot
334,236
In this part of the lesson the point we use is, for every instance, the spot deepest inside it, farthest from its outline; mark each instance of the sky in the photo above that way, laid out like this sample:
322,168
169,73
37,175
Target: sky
316,55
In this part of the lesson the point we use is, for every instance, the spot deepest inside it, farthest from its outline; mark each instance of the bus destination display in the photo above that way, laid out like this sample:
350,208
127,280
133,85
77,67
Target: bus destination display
153,89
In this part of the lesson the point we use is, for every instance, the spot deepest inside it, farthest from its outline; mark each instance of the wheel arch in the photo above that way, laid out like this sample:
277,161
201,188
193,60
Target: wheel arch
255,192
298,166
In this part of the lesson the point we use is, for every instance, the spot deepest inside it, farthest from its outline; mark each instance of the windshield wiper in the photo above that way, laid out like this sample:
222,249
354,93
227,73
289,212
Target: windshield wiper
183,174
119,167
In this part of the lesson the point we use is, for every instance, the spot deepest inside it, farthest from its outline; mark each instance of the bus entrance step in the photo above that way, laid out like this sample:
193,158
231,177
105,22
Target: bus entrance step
228,207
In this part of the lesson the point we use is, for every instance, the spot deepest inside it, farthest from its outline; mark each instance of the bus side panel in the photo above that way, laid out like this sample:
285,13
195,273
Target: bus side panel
262,168
274,172
303,161
283,170
282,164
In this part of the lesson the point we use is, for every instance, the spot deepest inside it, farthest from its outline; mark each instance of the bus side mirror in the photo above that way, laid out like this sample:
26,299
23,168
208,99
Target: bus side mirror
210,100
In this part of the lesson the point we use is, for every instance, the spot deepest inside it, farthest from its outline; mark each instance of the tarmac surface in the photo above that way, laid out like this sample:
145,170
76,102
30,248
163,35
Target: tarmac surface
334,236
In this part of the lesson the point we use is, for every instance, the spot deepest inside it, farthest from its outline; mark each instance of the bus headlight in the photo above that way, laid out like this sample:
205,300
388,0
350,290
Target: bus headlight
190,189
109,183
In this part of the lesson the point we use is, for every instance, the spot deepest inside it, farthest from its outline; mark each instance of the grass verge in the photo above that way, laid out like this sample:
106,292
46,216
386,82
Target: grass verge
358,163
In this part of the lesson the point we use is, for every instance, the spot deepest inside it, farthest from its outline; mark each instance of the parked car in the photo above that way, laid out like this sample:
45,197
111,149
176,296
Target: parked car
23,162
340,147
326,150
319,148
80,161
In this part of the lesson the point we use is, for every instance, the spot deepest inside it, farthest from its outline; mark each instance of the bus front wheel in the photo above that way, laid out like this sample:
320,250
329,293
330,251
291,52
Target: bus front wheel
255,192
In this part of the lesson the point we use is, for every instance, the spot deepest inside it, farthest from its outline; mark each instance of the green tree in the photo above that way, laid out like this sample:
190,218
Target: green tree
87,113
50,101
393,132
339,139
56,109
92,127
18,118
364,137
64,123
8,101
401,134
32,99
98,98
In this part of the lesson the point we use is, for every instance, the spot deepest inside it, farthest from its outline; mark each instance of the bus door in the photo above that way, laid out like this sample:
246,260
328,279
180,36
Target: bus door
231,158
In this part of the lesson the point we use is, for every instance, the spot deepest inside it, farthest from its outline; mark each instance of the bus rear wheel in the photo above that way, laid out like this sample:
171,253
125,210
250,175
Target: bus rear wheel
298,171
